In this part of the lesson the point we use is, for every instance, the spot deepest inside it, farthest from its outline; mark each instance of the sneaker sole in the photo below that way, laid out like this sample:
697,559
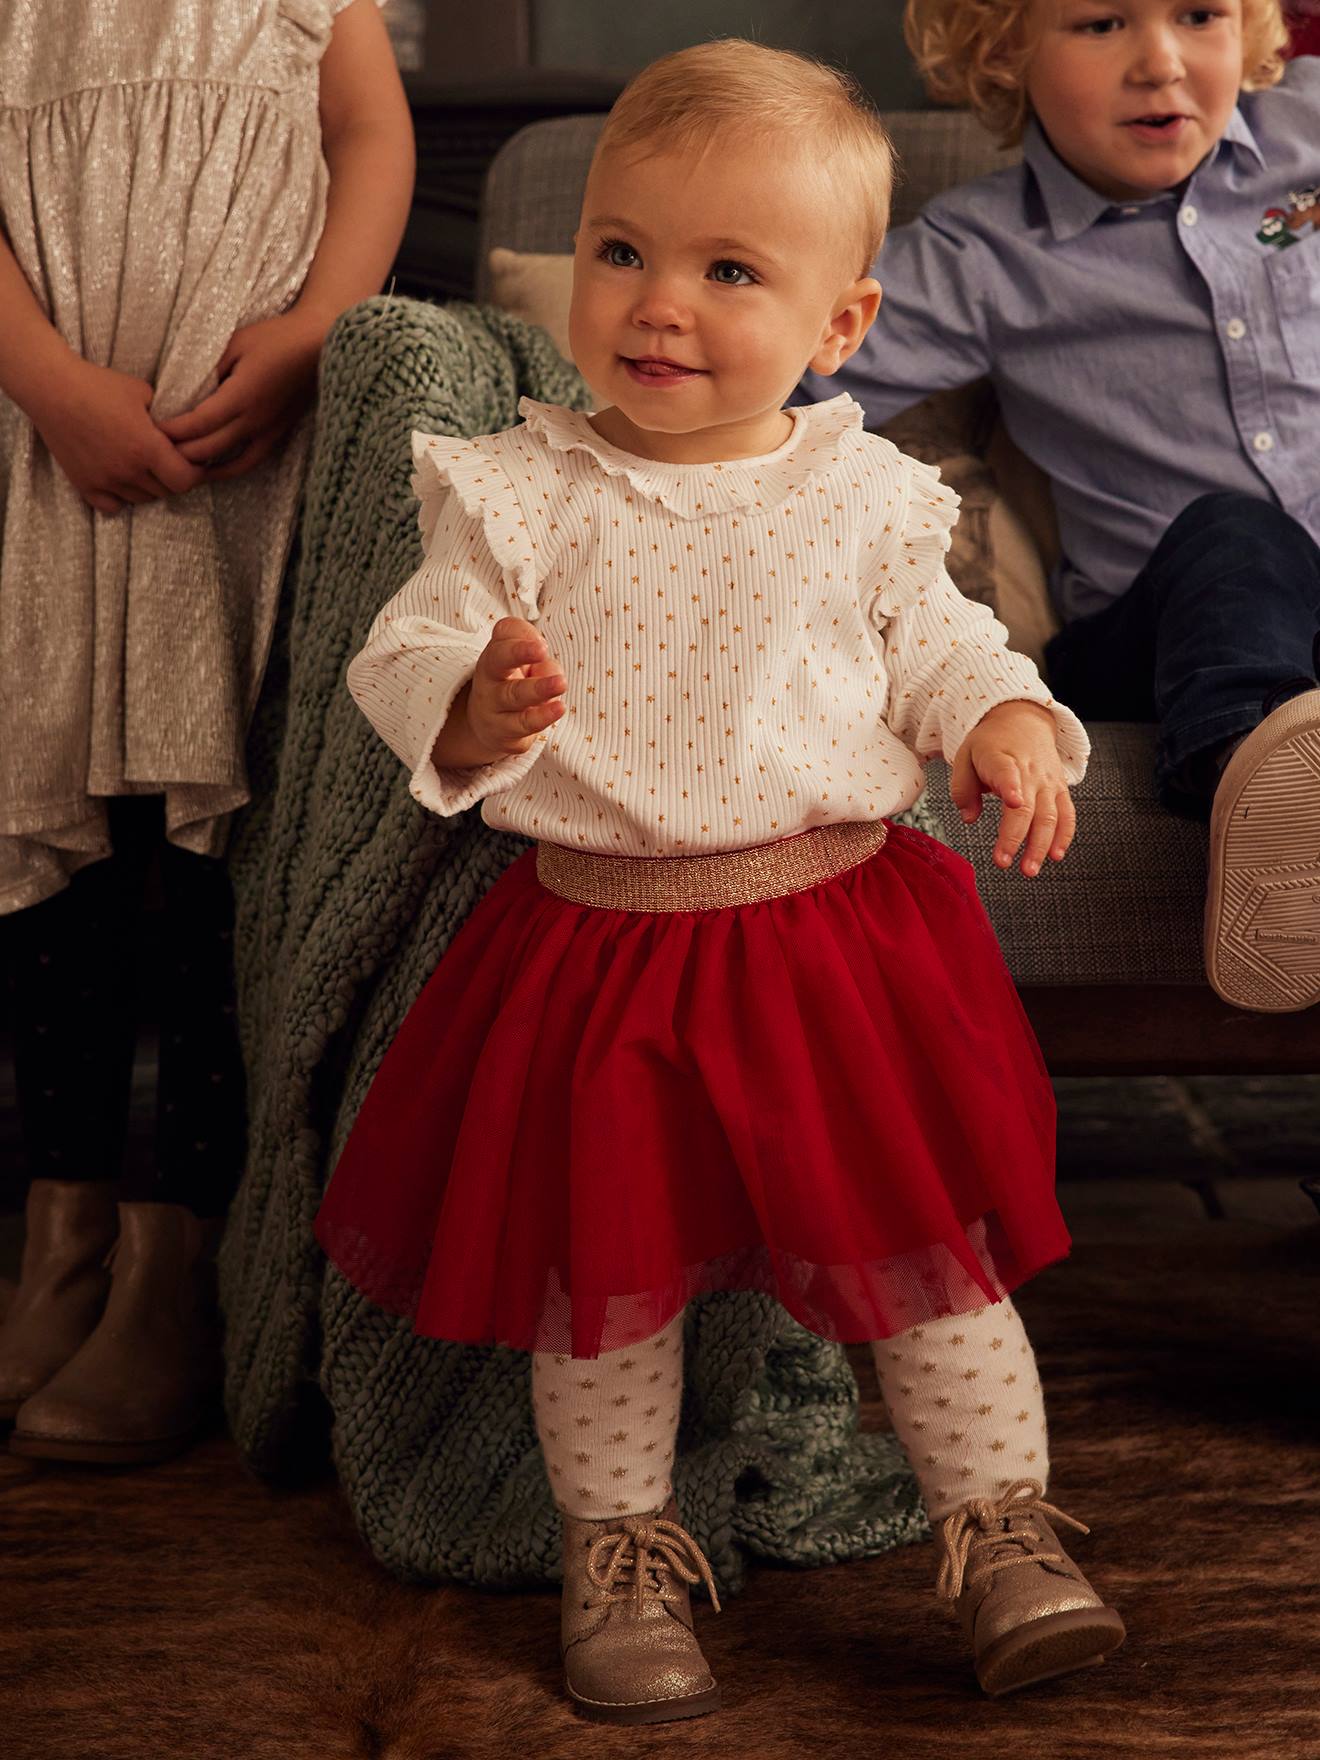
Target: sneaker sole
1262,908
649,1711
1054,1645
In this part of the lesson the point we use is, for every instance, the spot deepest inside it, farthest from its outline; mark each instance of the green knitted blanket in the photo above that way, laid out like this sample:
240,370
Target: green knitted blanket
347,896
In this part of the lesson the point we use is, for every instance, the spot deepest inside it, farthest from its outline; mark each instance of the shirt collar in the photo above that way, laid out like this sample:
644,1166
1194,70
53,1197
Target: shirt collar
1239,134
1073,207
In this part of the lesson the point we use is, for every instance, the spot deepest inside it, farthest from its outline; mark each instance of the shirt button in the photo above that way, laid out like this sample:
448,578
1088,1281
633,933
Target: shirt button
1235,329
1263,442
1189,215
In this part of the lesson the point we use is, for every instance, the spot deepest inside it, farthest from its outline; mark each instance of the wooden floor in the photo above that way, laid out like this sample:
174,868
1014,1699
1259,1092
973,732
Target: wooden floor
188,1610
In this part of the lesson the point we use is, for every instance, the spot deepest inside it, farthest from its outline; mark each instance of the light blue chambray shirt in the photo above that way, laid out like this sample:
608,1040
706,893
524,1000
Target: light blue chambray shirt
1143,353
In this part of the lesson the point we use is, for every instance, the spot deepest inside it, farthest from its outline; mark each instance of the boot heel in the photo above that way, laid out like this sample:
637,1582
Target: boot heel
62,1288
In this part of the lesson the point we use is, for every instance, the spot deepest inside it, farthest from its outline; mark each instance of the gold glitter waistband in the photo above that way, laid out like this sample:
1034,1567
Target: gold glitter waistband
707,883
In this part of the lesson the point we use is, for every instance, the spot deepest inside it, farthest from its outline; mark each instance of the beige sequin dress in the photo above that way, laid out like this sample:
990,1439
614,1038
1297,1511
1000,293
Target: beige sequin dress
161,184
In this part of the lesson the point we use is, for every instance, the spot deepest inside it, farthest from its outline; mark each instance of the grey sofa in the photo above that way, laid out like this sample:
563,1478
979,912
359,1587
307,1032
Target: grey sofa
1105,947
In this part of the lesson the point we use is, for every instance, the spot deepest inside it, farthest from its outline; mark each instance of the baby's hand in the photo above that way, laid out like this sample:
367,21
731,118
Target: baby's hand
96,423
515,692
1012,752
267,379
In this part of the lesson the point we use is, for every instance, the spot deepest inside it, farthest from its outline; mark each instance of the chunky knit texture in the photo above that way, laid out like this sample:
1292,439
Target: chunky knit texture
347,896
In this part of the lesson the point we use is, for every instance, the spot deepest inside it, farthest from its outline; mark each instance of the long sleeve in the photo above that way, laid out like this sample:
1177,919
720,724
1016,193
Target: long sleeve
947,661
424,644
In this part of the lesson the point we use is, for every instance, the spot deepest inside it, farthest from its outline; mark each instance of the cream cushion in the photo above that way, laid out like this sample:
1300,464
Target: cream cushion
535,286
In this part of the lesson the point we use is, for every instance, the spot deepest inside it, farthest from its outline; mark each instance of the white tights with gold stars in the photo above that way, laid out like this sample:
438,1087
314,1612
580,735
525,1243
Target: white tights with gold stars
607,1424
962,1393
965,1401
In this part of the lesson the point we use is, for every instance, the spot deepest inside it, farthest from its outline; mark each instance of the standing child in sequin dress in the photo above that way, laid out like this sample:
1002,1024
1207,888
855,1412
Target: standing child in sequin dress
189,196
726,1027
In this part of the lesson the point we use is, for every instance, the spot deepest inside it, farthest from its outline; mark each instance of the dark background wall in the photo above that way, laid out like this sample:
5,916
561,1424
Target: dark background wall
448,41
602,35
478,72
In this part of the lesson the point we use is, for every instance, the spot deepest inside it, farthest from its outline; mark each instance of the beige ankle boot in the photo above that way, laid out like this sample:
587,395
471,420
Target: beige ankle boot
1027,1610
629,1652
63,1283
148,1378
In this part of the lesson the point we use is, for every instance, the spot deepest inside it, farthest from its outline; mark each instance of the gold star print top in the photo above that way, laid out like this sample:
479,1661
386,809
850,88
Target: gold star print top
751,649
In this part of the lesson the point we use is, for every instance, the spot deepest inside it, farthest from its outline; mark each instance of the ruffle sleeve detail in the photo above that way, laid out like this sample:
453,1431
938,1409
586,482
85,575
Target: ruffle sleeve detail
313,19
818,445
305,26
906,564
946,658
425,643
442,464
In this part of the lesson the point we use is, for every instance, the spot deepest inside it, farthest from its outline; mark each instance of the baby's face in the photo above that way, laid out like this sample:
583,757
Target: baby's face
1134,93
703,284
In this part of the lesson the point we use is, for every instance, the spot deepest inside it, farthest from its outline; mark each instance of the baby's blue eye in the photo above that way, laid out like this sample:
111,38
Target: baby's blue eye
718,273
618,254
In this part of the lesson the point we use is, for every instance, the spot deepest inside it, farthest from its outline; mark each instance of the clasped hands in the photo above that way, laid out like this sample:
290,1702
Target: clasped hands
97,424
516,692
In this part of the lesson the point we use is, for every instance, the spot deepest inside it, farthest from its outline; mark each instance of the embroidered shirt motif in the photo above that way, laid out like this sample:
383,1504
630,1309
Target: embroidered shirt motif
1281,227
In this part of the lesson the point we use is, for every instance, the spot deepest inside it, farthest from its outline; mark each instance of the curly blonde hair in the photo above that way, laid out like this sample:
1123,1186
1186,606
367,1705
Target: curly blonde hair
976,52
685,99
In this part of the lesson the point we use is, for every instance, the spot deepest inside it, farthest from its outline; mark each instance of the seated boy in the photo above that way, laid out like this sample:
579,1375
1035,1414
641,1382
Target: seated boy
1144,293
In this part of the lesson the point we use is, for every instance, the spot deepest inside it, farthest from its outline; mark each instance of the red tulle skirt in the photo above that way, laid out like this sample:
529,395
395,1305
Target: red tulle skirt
590,1116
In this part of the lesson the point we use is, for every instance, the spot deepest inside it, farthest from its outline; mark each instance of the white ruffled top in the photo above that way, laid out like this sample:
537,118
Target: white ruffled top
751,648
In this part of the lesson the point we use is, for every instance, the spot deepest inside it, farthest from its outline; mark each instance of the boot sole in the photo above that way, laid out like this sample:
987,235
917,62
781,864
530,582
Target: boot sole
650,1711
106,1453
1262,908
1055,1645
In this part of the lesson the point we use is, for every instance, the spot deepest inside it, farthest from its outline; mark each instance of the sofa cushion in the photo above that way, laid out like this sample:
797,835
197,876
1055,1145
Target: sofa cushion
1124,905
534,186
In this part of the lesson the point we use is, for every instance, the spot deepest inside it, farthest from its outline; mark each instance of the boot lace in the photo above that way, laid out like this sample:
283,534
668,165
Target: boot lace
633,1560
994,1534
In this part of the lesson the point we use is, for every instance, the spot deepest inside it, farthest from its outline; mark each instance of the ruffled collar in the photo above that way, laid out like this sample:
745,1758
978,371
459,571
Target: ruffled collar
694,490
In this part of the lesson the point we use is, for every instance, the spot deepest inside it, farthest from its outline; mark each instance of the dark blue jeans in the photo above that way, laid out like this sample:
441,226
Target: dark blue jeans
1225,610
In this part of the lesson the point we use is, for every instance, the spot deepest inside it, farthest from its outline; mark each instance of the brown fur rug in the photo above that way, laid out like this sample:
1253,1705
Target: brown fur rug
189,1611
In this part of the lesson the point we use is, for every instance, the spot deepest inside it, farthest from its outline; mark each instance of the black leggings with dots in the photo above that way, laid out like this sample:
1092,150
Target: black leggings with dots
79,986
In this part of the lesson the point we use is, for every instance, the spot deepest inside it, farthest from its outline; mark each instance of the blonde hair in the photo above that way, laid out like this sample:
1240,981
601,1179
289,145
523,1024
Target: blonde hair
683,99
976,52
